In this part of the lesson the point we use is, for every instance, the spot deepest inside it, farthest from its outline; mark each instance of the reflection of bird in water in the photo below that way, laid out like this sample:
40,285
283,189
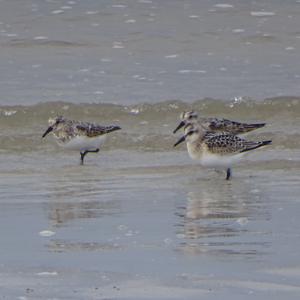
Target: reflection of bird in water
206,209
214,218
216,150
217,125
80,136
62,213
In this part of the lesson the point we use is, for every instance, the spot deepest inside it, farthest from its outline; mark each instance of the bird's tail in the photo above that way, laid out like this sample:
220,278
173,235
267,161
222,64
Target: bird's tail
255,145
112,128
249,127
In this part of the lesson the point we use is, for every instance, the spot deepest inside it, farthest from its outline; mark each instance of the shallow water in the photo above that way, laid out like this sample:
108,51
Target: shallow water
147,51
148,228
141,220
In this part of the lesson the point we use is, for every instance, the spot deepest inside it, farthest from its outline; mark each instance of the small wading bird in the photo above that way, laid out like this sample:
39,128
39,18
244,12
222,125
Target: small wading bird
81,136
216,125
216,150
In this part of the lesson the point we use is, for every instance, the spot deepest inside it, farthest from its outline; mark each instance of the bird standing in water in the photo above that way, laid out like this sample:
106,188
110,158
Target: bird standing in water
81,136
216,150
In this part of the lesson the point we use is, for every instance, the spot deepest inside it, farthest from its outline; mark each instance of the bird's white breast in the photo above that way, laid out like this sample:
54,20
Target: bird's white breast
83,143
194,152
213,160
220,161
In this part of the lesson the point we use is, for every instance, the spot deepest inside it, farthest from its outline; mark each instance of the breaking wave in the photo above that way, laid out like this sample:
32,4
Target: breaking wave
148,126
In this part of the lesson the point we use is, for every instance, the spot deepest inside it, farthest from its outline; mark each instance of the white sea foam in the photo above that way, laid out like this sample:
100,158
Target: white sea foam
47,273
84,70
192,71
130,21
92,12
11,34
171,56
98,93
238,30
8,113
135,111
118,45
119,6
41,37
223,5
66,7
122,227
46,233
262,13
57,12
106,60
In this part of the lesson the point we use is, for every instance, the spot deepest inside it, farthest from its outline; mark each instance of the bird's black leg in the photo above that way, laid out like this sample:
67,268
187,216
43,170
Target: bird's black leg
83,154
228,174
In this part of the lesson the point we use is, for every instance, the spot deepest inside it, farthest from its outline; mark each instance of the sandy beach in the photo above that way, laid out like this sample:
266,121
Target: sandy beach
141,220
144,228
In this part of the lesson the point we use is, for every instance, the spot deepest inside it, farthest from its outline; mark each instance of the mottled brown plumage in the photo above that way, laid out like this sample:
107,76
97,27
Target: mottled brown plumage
65,129
217,125
225,143
92,130
75,135
216,150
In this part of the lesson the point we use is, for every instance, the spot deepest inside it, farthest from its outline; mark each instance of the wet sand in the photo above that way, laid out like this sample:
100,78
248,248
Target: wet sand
146,228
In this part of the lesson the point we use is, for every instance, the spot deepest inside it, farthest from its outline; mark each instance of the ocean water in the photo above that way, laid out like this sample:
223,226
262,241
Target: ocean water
141,220
131,51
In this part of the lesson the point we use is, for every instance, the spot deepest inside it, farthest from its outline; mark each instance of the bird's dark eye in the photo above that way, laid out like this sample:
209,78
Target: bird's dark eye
189,117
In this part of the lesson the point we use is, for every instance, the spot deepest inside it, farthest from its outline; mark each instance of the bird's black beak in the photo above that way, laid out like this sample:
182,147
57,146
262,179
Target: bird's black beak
47,131
181,124
182,139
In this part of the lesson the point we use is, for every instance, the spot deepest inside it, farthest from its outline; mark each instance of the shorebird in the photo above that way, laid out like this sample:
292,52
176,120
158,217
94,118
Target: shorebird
81,136
216,150
217,125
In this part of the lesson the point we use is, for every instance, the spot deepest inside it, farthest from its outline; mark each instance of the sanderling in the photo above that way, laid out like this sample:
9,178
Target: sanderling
216,125
81,136
216,150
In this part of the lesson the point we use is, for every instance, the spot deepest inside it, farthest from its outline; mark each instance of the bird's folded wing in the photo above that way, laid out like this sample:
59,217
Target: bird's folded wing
91,130
225,144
